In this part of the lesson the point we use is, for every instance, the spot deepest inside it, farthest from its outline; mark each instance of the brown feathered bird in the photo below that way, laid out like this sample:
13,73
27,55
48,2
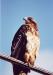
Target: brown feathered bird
25,46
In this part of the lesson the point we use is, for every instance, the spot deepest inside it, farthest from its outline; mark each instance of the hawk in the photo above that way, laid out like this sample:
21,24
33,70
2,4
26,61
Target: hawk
25,45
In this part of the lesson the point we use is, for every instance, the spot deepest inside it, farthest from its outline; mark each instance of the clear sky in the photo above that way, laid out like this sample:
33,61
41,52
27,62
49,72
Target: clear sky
11,18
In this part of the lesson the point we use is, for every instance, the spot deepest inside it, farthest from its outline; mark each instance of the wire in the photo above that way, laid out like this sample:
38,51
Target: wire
15,61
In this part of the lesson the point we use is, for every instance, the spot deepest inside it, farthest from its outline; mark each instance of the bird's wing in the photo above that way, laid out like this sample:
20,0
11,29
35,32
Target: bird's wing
17,41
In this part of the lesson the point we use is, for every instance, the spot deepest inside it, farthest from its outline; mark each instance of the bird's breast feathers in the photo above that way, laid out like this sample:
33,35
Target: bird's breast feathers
33,43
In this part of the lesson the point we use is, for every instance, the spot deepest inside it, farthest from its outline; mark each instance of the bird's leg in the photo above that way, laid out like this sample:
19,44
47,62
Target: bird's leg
29,59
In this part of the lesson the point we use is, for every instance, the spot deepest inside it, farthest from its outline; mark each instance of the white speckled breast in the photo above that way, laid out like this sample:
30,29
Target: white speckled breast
33,43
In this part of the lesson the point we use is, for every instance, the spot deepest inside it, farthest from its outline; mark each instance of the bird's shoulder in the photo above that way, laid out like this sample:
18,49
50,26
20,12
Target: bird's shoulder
24,28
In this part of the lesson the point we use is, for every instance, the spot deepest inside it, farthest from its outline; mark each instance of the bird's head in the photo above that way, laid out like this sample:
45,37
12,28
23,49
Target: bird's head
30,21
27,20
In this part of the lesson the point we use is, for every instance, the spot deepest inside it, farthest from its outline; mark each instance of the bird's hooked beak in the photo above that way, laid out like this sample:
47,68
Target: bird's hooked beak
25,19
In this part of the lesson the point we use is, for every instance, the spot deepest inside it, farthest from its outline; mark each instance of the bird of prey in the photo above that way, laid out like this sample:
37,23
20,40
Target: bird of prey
25,45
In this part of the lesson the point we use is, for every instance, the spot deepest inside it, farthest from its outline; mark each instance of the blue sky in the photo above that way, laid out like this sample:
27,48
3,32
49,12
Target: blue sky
11,15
